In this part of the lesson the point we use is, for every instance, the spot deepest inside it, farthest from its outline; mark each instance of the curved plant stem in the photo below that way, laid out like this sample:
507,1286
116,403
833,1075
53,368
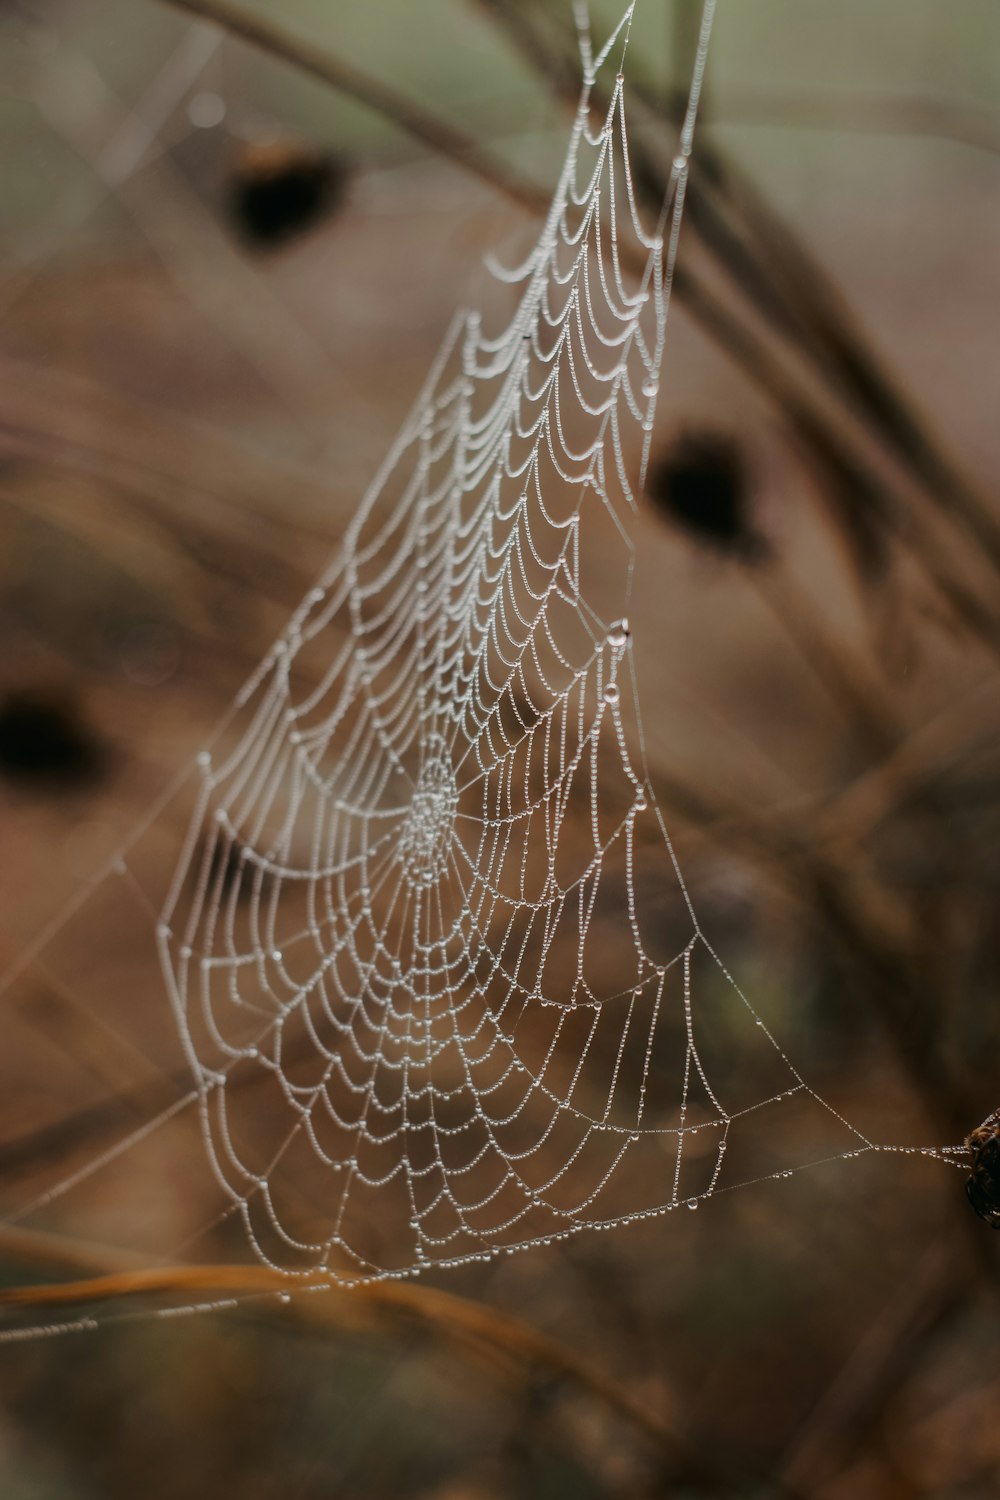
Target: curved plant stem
506,1343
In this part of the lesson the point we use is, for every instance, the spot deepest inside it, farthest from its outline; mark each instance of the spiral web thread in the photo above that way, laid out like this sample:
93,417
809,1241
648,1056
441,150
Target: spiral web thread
427,900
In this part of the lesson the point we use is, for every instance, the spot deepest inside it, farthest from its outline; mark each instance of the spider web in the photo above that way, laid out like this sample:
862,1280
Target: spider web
408,898
431,960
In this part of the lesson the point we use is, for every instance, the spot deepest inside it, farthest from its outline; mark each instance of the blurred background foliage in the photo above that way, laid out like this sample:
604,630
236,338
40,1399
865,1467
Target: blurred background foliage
222,283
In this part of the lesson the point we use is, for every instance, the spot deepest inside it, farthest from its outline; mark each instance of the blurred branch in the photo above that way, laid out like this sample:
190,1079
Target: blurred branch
889,1353
769,261
846,676
924,759
840,459
774,268
76,1131
865,114
145,441
191,245
808,416
468,1326
277,41
880,939
767,266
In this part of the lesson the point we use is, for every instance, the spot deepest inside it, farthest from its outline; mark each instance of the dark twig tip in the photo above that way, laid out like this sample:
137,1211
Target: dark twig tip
701,484
45,745
281,189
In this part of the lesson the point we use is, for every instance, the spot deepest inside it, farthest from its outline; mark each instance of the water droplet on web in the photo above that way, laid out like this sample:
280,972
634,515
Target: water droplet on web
692,1203
611,693
206,110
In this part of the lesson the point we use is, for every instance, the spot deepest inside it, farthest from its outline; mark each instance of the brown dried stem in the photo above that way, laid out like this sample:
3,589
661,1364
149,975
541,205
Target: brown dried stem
470,1327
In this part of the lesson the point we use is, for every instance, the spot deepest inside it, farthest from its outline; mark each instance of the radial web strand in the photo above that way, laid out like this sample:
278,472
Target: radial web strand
432,964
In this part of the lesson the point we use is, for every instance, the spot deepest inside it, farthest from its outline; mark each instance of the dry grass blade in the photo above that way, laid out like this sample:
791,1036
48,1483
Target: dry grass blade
482,1332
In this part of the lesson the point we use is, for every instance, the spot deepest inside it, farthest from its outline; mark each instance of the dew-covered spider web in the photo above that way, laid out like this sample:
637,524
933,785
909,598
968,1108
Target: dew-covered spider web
408,899
429,956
